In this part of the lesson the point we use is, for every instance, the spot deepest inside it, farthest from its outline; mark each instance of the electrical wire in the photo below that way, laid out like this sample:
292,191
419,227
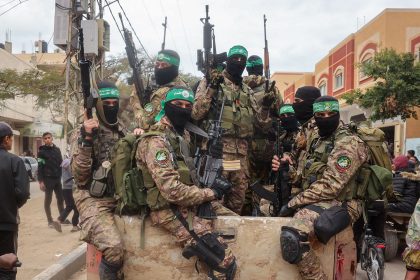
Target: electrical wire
39,60
149,17
134,31
185,34
116,23
1,6
20,2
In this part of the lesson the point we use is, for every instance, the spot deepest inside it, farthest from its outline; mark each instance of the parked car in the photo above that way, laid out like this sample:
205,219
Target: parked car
31,165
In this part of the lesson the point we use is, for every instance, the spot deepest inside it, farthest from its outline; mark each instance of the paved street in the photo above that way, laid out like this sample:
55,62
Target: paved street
40,246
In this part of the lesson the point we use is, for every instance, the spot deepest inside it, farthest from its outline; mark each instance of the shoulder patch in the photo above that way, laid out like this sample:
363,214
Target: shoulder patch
162,158
343,163
148,107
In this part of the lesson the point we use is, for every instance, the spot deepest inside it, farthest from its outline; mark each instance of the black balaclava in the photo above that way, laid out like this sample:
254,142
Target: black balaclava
327,126
110,112
289,123
254,65
167,75
177,116
235,69
303,109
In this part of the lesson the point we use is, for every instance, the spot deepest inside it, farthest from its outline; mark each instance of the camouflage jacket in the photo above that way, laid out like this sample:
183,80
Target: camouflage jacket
164,171
411,255
299,152
348,154
85,160
145,117
259,116
257,84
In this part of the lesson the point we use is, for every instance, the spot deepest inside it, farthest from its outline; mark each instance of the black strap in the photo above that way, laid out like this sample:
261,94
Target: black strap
184,222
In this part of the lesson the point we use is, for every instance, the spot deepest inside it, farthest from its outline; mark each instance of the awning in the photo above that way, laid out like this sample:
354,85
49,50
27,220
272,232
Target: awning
36,129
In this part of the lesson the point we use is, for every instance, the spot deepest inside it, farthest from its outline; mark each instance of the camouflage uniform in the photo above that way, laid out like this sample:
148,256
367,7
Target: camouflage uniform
145,117
411,255
329,178
240,114
262,146
97,214
167,177
300,152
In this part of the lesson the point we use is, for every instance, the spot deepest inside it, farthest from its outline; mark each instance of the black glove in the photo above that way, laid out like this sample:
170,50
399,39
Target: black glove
268,99
220,187
285,211
216,150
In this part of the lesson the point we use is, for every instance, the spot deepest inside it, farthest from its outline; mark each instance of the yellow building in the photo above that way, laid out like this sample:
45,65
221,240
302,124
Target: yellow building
337,72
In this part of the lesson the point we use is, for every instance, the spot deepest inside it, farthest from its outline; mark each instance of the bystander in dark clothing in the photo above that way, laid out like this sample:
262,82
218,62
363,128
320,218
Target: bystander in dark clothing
405,183
49,176
68,196
14,192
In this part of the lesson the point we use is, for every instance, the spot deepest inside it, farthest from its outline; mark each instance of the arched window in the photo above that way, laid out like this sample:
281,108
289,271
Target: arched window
339,78
367,58
323,87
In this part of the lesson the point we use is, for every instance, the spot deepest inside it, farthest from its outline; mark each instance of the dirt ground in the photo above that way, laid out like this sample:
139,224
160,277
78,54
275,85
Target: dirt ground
41,246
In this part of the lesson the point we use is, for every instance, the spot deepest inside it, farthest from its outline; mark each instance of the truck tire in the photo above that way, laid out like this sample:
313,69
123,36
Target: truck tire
392,242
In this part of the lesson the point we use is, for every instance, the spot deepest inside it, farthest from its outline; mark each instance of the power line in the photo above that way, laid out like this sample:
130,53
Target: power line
20,2
112,14
39,60
185,34
1,6
134,31
149,17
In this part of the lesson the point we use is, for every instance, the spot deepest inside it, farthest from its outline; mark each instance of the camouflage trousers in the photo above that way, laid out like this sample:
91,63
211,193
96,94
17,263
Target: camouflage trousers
259,170
303,220
240,180
98,225
167,220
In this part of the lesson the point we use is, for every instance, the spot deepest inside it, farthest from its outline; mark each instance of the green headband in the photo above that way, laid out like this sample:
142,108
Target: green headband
238,50
175,94
106,93
168,58
286,109
326,106
254,63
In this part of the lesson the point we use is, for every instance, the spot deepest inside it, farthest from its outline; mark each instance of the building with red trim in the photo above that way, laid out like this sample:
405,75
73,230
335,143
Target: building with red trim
337,72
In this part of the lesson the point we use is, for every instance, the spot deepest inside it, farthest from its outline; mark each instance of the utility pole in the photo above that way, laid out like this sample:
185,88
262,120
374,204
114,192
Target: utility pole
67,85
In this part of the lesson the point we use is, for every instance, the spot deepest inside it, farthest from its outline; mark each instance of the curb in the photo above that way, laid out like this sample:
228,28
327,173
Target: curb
66,266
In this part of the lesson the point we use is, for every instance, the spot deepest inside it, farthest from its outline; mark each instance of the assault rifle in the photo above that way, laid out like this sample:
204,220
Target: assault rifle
267,75
281,193
207,61
209,166
89,96
165,24
135,65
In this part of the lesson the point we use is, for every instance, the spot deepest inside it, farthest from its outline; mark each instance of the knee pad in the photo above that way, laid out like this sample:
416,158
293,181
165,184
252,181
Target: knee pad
292,244
113,254
109,271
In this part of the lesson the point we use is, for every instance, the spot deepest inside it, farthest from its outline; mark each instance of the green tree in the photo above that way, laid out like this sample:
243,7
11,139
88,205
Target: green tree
396,91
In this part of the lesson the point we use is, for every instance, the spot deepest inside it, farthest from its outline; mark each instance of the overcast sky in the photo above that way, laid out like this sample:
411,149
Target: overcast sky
300,33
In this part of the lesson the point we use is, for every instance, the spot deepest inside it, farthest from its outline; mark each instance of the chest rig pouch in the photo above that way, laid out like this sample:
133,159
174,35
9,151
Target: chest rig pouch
316,164
99,183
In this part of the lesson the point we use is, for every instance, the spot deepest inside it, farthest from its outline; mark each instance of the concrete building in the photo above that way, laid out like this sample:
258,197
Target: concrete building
337,72
27,121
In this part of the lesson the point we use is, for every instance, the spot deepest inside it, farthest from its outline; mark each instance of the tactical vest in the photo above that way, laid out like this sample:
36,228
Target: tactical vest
182,162
237,116
316,163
